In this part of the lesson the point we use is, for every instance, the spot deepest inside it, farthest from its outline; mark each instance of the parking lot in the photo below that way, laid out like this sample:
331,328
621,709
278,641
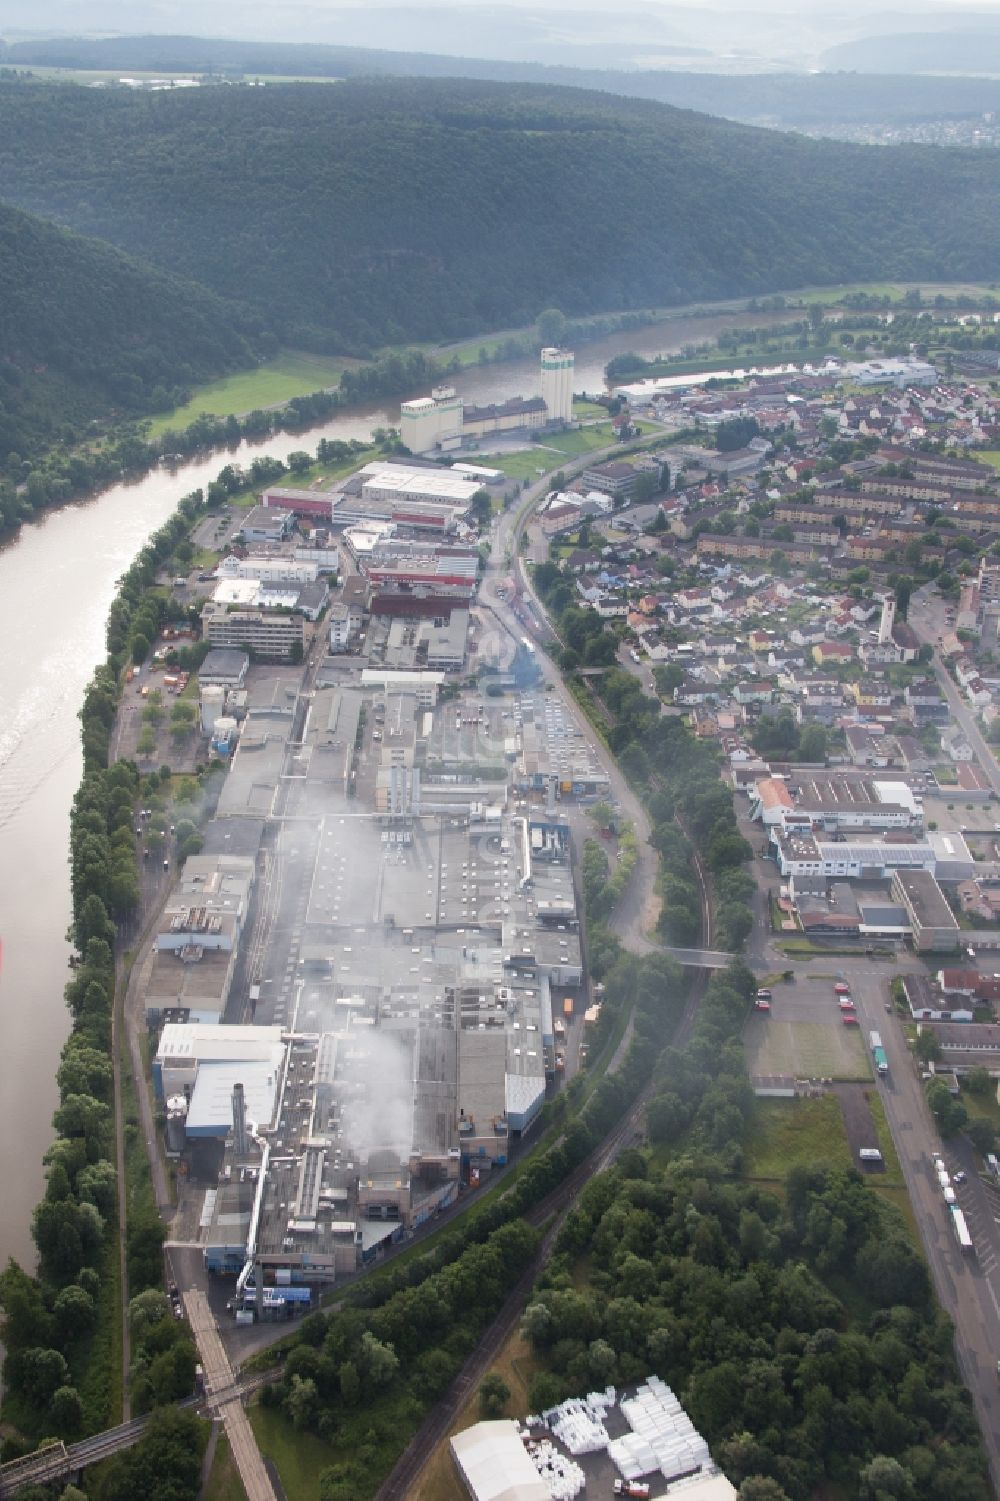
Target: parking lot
859,1124
804,1035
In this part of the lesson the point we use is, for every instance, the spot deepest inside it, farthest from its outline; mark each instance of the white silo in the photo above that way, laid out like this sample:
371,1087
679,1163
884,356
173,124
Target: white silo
557,384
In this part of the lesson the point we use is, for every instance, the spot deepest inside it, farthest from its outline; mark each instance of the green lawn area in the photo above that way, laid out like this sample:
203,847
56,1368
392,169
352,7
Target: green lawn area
793,1133
224,1483
583,440
983,1107
525,463
300,1458
584,410
290,374
989,456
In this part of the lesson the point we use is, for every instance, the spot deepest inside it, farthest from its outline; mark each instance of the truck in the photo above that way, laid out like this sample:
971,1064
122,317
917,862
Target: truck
961,1230
878,1054
568,1006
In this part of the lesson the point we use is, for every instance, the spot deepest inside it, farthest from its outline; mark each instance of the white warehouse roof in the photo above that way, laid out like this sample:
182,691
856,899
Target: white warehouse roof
204,1042
211,1109
494,1464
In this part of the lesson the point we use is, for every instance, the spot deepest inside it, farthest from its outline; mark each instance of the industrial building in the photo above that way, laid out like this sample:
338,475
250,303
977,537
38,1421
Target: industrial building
436,939
442,422
352,505
932,922
832,802
273,636
801,854
189,969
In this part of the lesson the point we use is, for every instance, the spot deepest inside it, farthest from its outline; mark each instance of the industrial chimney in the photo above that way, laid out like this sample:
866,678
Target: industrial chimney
240,1144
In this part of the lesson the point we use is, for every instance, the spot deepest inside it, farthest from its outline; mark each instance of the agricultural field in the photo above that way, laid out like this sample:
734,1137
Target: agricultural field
270,385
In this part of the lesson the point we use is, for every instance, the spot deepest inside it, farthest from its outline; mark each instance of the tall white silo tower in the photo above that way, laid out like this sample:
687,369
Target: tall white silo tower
557,384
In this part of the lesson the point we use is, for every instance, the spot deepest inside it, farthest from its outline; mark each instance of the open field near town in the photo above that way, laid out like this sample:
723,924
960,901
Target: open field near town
807,1050
796,1133
277,381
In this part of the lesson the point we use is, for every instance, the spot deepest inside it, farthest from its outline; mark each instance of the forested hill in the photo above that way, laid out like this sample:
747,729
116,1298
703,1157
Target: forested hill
775,99
84,328
380,210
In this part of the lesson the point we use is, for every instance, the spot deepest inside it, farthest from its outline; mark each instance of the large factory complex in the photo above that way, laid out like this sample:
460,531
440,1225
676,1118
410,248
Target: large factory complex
357,987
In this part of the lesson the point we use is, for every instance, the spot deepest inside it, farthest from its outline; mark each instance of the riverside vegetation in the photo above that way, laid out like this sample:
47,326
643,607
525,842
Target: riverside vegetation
61,1328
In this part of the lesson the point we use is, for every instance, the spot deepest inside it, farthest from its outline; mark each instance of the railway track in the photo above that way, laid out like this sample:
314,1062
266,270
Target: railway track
61,1460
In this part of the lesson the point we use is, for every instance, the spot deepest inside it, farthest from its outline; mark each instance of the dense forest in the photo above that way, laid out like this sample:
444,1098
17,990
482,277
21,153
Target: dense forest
786,99
84,328
381,211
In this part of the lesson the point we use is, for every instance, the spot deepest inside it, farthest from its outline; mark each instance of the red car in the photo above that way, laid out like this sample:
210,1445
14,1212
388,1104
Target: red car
849,1019
841,989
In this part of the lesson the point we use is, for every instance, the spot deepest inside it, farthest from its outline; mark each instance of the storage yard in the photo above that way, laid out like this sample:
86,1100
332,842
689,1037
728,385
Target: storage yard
638,1443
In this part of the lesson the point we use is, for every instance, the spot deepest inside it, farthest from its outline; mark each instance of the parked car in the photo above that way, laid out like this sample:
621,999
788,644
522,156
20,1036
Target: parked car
842,988
849,1019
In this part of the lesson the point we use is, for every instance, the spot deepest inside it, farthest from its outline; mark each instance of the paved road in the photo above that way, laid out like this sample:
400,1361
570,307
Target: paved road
219,1382
967,1287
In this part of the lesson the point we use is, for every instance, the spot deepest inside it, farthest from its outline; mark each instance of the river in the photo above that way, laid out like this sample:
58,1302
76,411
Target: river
57,581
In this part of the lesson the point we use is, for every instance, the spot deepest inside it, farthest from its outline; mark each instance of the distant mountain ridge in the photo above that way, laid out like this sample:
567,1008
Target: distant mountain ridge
381,211
783,99
960,50
84,328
